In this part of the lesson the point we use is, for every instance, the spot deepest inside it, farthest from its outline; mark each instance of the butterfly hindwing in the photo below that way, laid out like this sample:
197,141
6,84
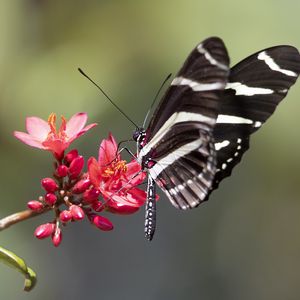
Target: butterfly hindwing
186,174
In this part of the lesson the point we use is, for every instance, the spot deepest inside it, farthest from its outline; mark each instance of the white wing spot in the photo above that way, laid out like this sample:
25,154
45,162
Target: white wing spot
244,90
224,166
221,145
257,124
181,187
172,191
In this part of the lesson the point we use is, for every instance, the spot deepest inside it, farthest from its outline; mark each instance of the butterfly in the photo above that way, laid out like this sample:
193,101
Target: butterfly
202,125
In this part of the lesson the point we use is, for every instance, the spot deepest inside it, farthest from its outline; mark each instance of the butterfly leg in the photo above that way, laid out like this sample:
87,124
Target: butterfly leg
150,214
128,151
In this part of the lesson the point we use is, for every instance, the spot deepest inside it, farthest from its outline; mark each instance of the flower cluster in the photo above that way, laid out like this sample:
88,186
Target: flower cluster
110,183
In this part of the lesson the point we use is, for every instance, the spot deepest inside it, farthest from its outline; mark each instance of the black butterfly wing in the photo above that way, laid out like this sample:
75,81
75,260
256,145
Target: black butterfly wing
186,174
179,139
197,86
255,88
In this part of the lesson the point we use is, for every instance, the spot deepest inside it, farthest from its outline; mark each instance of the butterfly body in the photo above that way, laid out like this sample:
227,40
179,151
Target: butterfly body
202,126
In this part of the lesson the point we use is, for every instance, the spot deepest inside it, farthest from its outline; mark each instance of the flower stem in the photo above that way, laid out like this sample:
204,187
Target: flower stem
19,217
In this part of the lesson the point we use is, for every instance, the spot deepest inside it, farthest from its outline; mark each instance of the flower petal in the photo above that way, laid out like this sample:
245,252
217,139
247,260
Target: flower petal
56,146
28,139
135,197
119,198
133,168
131,174
117,208
37,127
75,124
94,172
83,131
138,196
108,151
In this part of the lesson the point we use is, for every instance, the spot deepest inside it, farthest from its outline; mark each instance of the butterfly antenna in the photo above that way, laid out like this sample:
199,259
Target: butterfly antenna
155,98
108,98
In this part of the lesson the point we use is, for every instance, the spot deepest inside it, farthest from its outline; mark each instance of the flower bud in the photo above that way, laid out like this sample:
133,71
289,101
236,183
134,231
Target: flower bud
49,185
70,156
76,167
65,216
35,205
77,212
81,186
56,237
44,230
97,206
62,171
91,195
50,198
102,223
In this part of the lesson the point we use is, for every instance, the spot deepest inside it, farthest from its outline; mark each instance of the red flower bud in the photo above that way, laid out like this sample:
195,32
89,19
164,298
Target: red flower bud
65,216
62,171
56,237
44,230
70,156
102,223
35,205
49,185
91,195
77,212
50,198
97,206
76,167
81,186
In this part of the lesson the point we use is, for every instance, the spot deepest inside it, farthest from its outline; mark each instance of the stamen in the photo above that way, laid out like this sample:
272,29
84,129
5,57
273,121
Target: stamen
62,129
115,167
52,122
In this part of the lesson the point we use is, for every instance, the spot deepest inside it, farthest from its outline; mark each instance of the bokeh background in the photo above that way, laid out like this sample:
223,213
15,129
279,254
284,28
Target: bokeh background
242,244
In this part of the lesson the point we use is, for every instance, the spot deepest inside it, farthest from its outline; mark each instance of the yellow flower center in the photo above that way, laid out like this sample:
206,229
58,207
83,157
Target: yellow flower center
115,167
54,133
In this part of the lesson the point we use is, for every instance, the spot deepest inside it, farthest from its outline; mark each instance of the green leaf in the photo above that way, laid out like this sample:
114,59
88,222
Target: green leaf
14,261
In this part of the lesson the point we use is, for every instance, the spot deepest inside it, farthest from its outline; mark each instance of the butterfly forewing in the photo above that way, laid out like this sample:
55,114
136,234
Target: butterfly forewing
197,86
179,139
256,86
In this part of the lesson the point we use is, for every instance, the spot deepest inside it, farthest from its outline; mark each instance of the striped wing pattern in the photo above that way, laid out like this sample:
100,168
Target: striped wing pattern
202,126
255,88
197,87
187,174
179,140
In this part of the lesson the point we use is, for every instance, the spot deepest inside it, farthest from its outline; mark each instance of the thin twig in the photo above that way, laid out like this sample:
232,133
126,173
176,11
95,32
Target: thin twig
19,217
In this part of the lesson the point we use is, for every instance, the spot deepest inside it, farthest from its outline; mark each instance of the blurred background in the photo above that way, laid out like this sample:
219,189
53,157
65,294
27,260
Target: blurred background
242,244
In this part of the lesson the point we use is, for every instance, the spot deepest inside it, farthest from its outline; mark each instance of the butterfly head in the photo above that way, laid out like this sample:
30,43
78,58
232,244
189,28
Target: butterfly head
139,136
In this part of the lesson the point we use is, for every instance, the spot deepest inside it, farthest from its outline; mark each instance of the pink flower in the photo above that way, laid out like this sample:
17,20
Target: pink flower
116,179
44,135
